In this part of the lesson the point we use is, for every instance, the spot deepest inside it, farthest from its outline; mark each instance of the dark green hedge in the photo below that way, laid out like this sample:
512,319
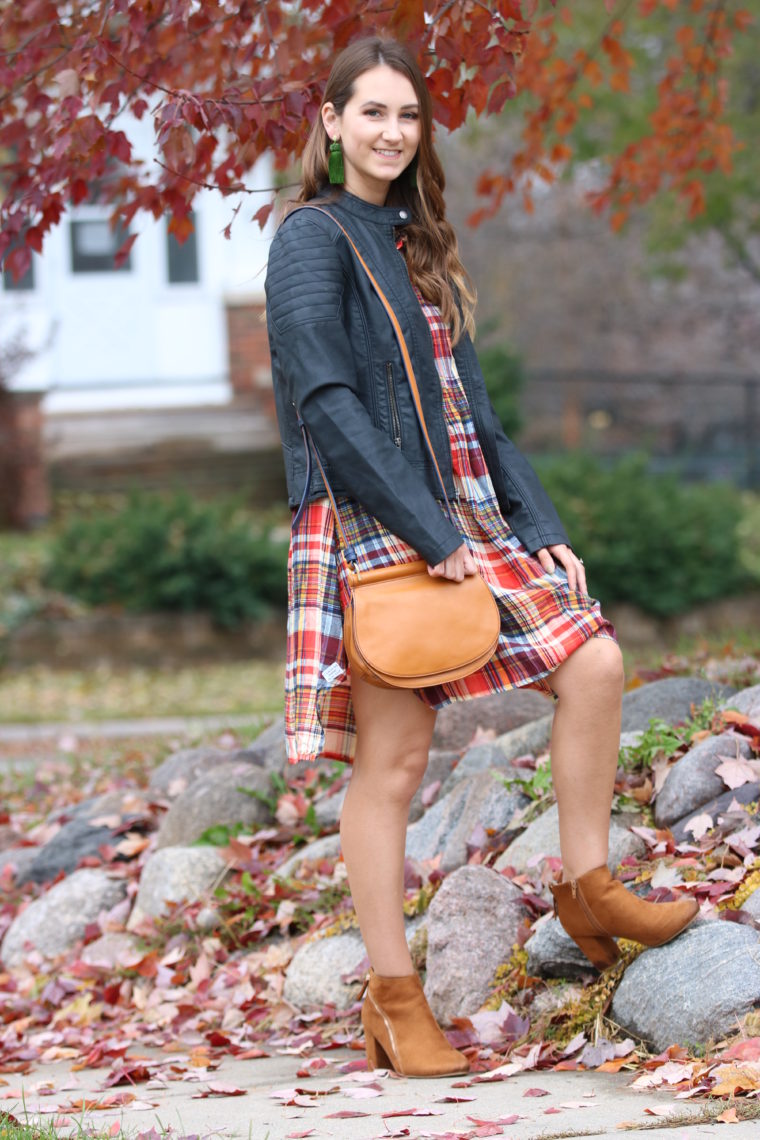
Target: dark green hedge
649,539
172,553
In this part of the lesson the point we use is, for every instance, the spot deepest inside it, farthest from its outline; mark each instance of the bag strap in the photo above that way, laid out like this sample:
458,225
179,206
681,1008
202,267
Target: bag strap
416,399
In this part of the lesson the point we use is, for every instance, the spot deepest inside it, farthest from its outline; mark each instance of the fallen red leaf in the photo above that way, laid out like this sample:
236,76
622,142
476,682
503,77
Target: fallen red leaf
536,1092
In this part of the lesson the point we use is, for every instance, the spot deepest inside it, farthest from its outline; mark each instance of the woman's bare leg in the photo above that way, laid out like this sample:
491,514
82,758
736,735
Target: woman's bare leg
584,750
394,730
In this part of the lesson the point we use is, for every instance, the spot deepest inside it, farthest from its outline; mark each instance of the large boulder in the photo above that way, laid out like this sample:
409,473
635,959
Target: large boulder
472,925
752,905
457,723
449,824
216,798
717,809
321,970
693,781
528,740
747,702
553,954
541,839
55,922
694,989
88,826
177,772
268,749
326,847
176,875
669,700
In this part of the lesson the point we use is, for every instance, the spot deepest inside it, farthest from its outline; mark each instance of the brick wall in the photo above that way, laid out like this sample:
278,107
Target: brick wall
250,367
24,493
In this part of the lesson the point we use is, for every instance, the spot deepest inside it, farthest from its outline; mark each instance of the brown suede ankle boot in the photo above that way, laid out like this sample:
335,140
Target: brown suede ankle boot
595,909
401,1032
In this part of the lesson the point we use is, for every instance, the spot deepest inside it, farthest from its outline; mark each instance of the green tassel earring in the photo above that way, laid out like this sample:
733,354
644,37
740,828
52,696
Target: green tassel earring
335,168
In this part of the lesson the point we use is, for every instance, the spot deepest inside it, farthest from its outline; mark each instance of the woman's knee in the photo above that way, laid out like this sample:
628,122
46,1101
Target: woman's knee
597,666
397,771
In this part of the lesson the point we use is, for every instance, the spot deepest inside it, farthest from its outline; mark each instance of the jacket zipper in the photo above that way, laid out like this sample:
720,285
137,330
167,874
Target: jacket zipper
395,416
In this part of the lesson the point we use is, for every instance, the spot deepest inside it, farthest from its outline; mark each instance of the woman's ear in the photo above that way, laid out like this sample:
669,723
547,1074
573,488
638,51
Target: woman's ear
331,120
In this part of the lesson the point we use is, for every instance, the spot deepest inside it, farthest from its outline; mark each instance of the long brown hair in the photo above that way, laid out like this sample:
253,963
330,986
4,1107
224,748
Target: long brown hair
431,250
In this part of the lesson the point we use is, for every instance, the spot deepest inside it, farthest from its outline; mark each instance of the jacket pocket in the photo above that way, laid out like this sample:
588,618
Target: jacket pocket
393,404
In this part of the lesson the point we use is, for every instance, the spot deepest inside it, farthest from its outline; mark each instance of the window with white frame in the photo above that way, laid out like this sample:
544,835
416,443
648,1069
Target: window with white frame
94,244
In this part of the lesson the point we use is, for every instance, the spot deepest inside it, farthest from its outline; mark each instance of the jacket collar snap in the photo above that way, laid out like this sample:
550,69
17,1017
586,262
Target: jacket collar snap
368,212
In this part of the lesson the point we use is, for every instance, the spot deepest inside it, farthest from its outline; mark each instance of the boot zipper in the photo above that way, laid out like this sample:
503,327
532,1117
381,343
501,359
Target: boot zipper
363,990
395,416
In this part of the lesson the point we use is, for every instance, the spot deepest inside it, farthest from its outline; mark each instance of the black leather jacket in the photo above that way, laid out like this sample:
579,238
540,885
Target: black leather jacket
335,358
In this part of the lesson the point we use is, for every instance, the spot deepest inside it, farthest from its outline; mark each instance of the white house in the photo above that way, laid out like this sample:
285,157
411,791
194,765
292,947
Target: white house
155,333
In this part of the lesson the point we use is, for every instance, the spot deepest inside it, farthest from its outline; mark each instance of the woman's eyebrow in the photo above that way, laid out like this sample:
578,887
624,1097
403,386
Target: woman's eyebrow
384,107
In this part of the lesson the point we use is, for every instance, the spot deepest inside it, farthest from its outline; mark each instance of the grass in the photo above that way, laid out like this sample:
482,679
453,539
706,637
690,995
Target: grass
40,694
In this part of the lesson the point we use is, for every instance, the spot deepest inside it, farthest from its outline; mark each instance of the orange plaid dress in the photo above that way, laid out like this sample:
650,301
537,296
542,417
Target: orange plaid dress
542,620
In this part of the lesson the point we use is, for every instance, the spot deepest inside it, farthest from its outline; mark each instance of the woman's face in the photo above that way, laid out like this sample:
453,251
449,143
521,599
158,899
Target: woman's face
379,131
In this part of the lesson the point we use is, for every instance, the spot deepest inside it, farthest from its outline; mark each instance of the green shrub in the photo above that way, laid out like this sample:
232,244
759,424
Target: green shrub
172,553
649,539
503,373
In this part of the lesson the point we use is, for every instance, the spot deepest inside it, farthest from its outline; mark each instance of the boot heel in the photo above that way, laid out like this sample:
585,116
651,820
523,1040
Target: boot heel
601,952
377,1058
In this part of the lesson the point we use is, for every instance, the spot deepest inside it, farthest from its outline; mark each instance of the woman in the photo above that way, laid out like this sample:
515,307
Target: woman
370,163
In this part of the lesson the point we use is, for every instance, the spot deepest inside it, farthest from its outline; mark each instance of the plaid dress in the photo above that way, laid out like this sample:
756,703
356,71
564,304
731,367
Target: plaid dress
542,620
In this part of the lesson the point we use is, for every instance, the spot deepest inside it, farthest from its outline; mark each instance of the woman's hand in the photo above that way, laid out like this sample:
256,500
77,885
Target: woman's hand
576,573
457,566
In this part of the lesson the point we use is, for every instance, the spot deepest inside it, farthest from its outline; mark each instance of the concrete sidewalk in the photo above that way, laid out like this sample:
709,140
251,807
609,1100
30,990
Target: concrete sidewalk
139,726
278,1104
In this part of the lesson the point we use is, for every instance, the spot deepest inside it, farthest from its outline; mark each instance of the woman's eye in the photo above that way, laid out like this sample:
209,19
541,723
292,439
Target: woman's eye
411,115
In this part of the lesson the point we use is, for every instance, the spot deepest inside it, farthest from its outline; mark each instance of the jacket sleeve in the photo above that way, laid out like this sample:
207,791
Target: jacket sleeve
305,287
531,514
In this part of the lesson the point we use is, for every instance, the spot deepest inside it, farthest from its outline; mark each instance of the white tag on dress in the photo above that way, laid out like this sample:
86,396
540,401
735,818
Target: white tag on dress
332,672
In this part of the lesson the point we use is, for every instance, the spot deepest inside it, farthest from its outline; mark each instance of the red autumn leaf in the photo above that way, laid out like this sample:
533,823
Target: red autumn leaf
536,1092
219,1088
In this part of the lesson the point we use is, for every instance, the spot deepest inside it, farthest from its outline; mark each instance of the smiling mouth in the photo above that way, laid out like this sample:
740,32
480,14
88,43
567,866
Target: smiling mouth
388,153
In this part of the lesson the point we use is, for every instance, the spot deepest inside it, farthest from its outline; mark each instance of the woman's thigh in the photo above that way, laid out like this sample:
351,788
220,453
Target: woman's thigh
394,730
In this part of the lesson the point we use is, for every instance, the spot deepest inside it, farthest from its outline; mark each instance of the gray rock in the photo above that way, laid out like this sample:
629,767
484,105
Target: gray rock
268,749
441,765
214,799
447,826
82,836
528,740
175,875
328,807
315,973
20,859
752,905
457,723
541,838
669,700
114,950
54,923
326,847
479,758
718,807
747,702
694,989
553,954
177,772
692,781
472,925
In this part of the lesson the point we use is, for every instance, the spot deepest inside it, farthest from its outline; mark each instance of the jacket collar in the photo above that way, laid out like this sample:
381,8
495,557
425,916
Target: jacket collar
367,212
